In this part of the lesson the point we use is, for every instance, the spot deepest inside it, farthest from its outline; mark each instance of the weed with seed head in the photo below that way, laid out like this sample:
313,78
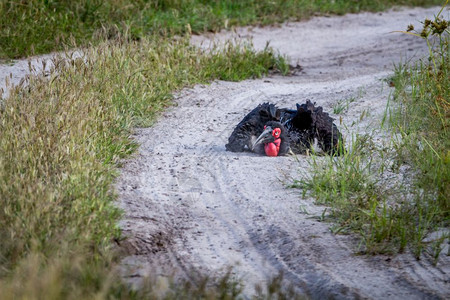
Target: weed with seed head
421,117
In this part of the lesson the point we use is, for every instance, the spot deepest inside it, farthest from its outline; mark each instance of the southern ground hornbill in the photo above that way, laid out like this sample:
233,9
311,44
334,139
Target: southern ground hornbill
274,131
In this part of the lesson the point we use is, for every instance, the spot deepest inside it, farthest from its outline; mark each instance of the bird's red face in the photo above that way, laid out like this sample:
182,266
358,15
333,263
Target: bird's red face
271,139
275,132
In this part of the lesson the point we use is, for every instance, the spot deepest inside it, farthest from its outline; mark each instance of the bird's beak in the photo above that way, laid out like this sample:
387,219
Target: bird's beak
264,137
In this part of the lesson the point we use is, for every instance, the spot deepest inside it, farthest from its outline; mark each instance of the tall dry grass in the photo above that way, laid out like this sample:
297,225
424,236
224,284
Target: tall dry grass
61,139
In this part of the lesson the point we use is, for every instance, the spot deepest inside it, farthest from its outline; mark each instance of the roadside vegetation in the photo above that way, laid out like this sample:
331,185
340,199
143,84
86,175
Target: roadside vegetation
36,26
395,211
61,139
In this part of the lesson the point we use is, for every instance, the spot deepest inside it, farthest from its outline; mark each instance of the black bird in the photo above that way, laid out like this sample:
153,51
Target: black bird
298,129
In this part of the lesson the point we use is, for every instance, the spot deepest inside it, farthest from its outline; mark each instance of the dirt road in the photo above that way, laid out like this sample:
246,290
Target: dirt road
190,204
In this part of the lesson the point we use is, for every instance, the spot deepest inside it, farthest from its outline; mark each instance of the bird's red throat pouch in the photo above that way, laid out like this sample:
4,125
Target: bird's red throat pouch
273,148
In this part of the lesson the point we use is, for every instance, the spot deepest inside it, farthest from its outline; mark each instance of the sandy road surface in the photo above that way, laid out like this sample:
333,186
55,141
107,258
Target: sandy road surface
189,203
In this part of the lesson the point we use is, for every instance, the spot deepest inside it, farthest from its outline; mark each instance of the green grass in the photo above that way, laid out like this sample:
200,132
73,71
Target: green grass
343,105
41,26
357,196
61,139
422,118
363,187
225,287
